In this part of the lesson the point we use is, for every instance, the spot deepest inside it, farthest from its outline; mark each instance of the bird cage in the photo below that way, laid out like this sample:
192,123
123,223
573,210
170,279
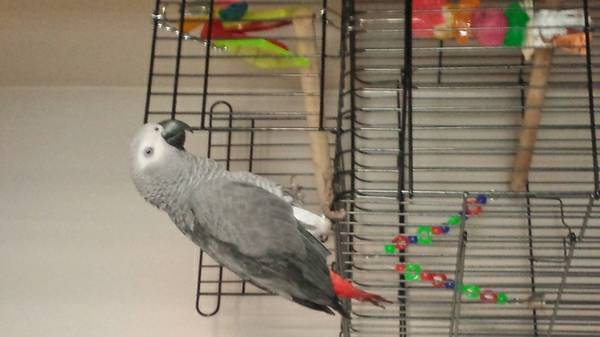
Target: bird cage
463,149
467,162
257,81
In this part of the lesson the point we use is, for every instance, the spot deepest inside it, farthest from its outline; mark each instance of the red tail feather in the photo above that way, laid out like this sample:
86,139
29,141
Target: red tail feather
344,289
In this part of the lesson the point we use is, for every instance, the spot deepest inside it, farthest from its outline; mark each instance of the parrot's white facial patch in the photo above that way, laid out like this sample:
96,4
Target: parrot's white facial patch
148,146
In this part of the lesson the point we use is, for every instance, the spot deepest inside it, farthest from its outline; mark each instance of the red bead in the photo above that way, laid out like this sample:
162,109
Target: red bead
473,210
399,267
426,275
401,242
488,296
439,279
437,230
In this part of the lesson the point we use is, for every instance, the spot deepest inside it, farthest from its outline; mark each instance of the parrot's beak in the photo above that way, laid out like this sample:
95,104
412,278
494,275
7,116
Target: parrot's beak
174,132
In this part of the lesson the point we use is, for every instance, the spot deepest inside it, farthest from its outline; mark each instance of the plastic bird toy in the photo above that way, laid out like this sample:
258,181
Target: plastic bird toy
513,26
231,23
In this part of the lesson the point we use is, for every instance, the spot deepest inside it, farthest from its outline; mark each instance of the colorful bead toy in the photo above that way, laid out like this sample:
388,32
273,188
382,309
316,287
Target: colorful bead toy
414,272
454,220
501,298
439,280
449,284
401,242
488,296
424,236
470,291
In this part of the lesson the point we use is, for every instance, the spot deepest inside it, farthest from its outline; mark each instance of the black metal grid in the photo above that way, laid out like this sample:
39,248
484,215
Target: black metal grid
185,77
421,121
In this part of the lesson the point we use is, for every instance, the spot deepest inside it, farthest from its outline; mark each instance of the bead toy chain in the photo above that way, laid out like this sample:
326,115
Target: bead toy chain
414,272
425,234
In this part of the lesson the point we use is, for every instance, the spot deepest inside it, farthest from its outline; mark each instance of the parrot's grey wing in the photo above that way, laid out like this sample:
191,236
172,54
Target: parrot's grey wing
249,217
254,234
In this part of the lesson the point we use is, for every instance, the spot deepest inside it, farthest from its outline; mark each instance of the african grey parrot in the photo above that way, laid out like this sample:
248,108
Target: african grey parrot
243,221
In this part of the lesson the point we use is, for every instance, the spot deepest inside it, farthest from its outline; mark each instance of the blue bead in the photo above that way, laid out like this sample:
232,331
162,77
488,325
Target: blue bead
413,239
481,199
449,284
445,229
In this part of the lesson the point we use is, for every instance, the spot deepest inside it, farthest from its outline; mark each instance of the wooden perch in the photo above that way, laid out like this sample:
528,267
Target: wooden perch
319,140
536,93
538,80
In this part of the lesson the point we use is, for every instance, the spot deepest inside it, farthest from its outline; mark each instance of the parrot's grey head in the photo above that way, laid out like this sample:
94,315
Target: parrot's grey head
155,154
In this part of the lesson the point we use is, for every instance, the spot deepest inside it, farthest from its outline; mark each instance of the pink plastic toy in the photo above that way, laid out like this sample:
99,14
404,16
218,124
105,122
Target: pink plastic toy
427,14
489,26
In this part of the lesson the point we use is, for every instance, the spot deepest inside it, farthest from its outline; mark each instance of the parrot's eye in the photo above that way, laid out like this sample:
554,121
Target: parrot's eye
148,151
156,128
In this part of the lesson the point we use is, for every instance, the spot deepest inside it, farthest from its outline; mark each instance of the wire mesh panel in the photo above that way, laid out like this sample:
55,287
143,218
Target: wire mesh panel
428,113
251,79
256,64
519,250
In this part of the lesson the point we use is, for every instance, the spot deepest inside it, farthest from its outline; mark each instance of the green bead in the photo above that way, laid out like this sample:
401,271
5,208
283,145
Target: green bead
390,248
470,291
517,22
424,235
501,298
454,220
412,272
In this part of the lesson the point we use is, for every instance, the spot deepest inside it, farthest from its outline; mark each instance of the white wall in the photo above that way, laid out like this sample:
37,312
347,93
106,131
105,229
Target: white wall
75,42
81,254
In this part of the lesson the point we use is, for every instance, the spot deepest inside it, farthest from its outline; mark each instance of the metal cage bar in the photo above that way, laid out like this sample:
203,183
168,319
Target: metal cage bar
421,148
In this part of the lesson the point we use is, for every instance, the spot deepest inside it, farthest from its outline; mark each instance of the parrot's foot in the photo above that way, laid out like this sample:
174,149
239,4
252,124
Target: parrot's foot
344,289
334,215
374,299
295,190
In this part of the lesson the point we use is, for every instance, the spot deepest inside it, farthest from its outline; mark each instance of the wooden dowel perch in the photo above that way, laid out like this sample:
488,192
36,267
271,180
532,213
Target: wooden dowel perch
319,140
536,93
538,80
